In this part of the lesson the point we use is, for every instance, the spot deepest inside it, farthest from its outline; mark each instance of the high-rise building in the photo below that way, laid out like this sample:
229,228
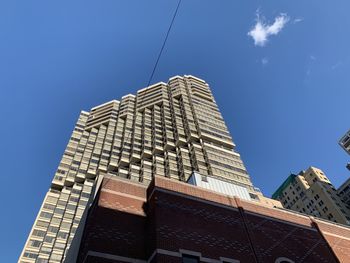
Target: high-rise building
344,142
312,193
167,129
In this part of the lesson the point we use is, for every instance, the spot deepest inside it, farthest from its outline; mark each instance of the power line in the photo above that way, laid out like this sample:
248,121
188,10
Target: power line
164,42
106,179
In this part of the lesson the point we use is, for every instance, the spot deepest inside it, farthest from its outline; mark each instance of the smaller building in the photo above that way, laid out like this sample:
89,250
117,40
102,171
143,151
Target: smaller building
344,142
310,192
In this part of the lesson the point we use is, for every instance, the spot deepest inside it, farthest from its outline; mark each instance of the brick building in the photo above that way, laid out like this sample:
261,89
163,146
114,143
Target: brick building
171,221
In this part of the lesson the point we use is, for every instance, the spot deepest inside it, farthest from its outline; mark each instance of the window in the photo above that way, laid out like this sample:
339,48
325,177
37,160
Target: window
283,260
61,203
62,235
71,207
38,233
76,191
45,215
42,224
49,239
42,260
49,207
85,195
190,259
53,229
59,211
51,199
30,255
34,243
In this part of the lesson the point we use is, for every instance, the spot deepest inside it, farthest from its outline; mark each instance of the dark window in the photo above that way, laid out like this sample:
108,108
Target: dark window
53,229
189,259
38,233
30,255
49,239
59,211
76,191
85,195
76,162
62,235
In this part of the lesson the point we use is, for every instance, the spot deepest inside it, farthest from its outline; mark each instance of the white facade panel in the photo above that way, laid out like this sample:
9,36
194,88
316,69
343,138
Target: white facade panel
219,186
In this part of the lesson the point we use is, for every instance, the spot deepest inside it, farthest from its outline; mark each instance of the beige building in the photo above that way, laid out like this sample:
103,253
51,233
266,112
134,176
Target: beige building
312,193
170,129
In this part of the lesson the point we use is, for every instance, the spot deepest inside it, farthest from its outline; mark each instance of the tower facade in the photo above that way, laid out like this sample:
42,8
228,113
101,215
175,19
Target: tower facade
168,129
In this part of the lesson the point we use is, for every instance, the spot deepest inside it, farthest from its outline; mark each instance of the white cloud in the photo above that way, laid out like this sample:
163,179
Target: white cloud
297,20
339,63
261,31
312,57
264,61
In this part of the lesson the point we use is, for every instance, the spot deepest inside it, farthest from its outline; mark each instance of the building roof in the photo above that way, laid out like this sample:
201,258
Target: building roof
283,186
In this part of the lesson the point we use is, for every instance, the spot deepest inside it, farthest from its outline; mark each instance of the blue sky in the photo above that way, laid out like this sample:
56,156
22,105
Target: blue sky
286,103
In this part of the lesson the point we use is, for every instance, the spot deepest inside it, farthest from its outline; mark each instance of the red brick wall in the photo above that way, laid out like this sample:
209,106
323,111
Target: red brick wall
338,239
114,232
272,239
179,216
116,222
182,223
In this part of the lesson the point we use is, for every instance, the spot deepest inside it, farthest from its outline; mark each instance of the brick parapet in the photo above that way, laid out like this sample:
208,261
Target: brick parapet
171,216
